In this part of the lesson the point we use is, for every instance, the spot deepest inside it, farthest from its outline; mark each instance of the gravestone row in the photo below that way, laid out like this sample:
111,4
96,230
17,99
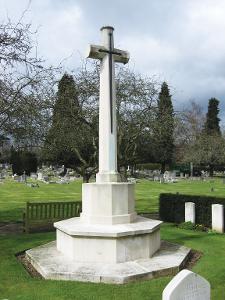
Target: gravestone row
217,215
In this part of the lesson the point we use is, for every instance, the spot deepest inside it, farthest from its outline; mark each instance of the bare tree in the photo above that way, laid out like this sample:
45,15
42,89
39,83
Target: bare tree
188,127
135,100
26,85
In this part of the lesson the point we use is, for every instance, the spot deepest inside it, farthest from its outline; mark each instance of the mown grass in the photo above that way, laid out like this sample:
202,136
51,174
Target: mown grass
16,284
13,195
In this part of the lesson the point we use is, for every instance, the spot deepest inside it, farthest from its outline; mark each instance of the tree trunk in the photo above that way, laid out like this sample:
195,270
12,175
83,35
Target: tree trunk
163,167
86,177
132,170
211,169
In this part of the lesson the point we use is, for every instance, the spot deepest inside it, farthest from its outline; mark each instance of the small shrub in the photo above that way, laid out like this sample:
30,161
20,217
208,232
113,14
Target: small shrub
187,225
192,226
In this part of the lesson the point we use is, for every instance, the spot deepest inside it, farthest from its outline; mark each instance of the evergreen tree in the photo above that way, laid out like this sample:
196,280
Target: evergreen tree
164,128
70,138
58,146
212,131
212,121
23,161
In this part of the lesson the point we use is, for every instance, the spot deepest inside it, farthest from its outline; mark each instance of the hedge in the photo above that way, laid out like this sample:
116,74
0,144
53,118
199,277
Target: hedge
23,161
172,207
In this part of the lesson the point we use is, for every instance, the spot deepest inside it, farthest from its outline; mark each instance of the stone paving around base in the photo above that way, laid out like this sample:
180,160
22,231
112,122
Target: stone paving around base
52,264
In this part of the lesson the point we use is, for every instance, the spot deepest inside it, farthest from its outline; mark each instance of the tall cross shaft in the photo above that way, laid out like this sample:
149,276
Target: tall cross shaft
110,52
107,104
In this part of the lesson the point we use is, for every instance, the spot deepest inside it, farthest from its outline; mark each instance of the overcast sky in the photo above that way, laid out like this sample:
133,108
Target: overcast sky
181,41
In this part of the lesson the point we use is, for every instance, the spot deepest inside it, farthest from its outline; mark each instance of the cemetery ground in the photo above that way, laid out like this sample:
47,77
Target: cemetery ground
14,195
16,283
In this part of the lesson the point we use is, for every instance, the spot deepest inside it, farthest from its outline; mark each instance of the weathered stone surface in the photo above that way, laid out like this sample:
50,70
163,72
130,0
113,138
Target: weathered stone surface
118,243
107,104
188,286
108,203
75,226
190,212
218,217
52,264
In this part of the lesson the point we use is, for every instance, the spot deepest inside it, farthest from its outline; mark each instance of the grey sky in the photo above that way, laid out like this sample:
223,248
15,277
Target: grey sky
181,41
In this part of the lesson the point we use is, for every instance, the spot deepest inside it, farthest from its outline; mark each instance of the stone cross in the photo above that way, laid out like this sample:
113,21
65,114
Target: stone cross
107,104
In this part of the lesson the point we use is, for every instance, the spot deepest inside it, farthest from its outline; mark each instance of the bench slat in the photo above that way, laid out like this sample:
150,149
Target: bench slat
39,214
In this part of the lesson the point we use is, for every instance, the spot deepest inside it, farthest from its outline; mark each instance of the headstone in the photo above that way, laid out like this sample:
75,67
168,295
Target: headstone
190,212
187,285
40,176
15,177
46,178
33,175
23,177
62,181
218,218
131,179
191,168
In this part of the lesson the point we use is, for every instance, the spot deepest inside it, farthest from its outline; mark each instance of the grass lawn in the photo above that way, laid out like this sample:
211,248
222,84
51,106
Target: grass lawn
16,284
13,195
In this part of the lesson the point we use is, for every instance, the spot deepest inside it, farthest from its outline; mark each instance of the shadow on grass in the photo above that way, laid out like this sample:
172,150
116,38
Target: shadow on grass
12,215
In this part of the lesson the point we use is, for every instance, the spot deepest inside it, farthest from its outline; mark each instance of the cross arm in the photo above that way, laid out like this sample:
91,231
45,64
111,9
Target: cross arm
121,56
93,52
98,52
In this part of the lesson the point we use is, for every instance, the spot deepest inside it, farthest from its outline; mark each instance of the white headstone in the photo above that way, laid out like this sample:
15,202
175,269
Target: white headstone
191,168
40,176
33,175
218,217
190,212
187,285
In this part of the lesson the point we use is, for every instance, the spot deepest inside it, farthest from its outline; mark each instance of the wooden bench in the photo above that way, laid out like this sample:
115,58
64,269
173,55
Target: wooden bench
40,216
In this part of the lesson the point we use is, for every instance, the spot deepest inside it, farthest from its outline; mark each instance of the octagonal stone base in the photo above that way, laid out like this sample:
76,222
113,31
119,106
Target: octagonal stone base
118,243
52,264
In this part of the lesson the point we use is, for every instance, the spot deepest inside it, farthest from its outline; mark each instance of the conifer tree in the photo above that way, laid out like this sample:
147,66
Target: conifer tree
208,148
58,142
212,121
70,139
164,128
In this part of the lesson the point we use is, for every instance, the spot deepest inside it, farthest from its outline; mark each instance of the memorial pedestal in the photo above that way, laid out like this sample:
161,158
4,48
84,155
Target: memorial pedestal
108,243
108,203
108,230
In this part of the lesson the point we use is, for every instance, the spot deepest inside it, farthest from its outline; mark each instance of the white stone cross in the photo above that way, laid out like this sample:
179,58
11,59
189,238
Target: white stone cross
107,104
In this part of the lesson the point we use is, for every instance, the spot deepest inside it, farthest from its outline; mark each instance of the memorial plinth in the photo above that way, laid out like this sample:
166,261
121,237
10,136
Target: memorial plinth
108,230
108,242
108,203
